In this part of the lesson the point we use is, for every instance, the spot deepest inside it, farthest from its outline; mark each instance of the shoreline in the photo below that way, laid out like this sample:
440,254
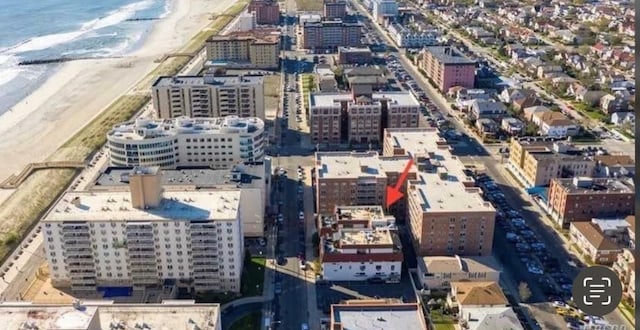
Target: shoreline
41,122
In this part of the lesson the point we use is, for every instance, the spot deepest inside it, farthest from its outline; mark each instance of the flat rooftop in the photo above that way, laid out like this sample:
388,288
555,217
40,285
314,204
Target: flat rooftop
200,177
453,264
440,184
142,128
175,205
596,185
448,55
169,315
168,81
365,237
351,212
353,165
334,99
366,316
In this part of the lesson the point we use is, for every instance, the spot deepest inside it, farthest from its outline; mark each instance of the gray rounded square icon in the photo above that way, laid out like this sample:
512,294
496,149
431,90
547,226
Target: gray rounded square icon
597,290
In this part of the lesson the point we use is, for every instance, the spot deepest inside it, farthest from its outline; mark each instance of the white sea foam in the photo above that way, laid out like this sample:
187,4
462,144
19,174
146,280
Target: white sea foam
47,41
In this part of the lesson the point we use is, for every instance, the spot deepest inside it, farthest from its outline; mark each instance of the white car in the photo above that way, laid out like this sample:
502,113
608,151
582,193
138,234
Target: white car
303,265
301,215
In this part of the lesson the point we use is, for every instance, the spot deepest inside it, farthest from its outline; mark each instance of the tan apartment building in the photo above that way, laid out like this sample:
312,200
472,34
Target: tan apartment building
437,272
585,198
356,178
331,34
258,48
350,118
447,67
208,96
446,212
593,243
625,268
536,163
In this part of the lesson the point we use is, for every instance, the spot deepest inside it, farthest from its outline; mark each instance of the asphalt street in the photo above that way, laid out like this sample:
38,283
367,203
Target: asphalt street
231,315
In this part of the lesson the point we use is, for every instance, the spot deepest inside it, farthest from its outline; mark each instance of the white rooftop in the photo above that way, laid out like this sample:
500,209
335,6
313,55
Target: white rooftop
143,128
342,165
611,224
442,190
169,315
380,316
491,318
365,237
176,205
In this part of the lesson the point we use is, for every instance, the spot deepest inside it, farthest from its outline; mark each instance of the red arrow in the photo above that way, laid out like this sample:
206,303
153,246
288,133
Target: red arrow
393,193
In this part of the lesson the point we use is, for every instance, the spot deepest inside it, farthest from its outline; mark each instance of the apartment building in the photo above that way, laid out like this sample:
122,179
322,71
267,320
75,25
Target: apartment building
356,178
106,314
144,236
353,55
208,96
353,254
333,9
346,117
378,313
536,163
252,179
446,212
258,48
267,11
593,243
625,267
407,38
384,10
170,143
447,67
585,198
331,35
437,272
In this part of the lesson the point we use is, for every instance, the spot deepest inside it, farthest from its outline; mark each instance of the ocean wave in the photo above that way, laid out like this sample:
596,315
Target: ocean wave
9,68
47,41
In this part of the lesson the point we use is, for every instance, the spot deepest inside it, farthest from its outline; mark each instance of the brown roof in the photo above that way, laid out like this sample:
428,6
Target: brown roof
552,118
631,219
610,160
594,236
479,293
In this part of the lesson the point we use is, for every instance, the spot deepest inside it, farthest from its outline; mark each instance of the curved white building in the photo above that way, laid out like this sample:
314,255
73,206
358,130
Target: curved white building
183,141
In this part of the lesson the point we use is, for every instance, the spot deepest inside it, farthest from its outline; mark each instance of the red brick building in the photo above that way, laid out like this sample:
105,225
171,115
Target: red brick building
267,11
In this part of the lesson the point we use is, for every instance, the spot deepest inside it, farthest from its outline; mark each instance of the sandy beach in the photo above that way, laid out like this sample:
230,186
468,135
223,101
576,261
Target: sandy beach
79,90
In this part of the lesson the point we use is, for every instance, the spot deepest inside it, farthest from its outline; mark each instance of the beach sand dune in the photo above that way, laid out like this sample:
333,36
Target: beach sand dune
79,90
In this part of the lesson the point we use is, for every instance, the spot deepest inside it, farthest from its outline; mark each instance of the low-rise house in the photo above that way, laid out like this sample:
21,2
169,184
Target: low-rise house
609,166
465,97
590,98
593,243
625,268
466,295
622,118
531,112
490,318
438,272
543,70
486,109
610,104
512,126
486,127
555,124
528,101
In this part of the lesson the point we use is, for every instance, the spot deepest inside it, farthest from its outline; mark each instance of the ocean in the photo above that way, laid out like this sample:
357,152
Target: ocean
46,29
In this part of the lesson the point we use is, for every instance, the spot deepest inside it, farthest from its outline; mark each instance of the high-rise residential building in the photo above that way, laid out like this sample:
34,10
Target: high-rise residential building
107,314
357,178
536,163
334,9
209,96
257,48
253,179
384,10
214,142
584,198
267,11
146,236
346,117
331,35
447,67
446,212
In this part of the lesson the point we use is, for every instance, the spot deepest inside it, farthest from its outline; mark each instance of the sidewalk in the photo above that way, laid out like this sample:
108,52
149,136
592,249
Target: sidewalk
313,313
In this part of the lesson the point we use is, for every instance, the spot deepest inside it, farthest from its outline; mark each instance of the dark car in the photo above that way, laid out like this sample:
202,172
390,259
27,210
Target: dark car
375,280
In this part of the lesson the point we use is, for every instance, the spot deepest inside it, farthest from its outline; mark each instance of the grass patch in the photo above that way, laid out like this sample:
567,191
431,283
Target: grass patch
628,312
441,321
36,194
309,5
253,276
272,91
248,322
